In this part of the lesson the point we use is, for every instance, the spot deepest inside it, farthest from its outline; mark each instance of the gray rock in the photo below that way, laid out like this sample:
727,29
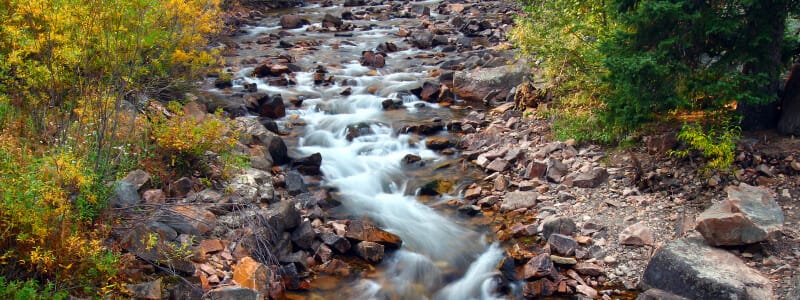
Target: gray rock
303,236
125,195
475,85
292,22
689,268
188,219
517,200
339,243
282,216
232,293
253,186
562,244
560,225
253,132
138,178
294,183
422,39
749,215
657,294
591,179
555,170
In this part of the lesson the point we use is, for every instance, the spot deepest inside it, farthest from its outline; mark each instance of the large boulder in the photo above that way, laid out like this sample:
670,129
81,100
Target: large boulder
476,84
689,268
749,215
125,195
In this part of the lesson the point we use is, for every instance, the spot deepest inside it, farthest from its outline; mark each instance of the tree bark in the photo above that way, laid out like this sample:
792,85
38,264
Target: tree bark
790,119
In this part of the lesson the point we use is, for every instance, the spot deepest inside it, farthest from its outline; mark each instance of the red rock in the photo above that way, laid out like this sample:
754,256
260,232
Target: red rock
585,268
539,288
363,231
210,246
749,215
538,267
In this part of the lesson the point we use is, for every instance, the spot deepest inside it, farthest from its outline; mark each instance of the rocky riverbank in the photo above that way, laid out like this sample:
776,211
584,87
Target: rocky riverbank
572,220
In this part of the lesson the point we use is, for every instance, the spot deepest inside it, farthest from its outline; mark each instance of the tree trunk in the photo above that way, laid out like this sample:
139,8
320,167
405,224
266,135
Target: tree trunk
790,118
766,25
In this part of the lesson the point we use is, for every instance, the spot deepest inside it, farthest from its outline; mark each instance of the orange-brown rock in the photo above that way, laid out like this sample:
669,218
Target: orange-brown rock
363,231
253,275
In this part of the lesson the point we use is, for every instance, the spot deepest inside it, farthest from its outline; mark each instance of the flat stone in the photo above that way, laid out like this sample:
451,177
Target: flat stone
210,246
535,170
563,260
636,235
497,165
749,215
590,269
689,268
138,178
587,291
517,200
231,293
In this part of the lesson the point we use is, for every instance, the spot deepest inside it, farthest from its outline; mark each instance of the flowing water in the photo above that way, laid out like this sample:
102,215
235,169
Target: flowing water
441,257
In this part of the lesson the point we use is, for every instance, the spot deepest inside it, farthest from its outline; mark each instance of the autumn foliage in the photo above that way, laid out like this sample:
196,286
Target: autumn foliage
74,75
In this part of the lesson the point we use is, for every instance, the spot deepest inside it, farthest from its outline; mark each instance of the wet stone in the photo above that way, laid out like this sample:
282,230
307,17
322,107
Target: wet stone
370,251
339,243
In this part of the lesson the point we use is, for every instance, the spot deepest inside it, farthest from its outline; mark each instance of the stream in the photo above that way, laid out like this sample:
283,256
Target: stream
442,256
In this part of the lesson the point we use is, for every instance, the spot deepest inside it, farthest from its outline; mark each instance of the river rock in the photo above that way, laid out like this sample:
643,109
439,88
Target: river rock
336,242
309,165
422,39
475,85
253,132
497,165
282,216
539,288
369,251
517,200
251,274
587,291
292,22
538,267
271,107
295,184
560,225
372,59
636,235
562,244
232,293
591,179
303,236
332,21
749,215
438,143
252,186
363,231
688,267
